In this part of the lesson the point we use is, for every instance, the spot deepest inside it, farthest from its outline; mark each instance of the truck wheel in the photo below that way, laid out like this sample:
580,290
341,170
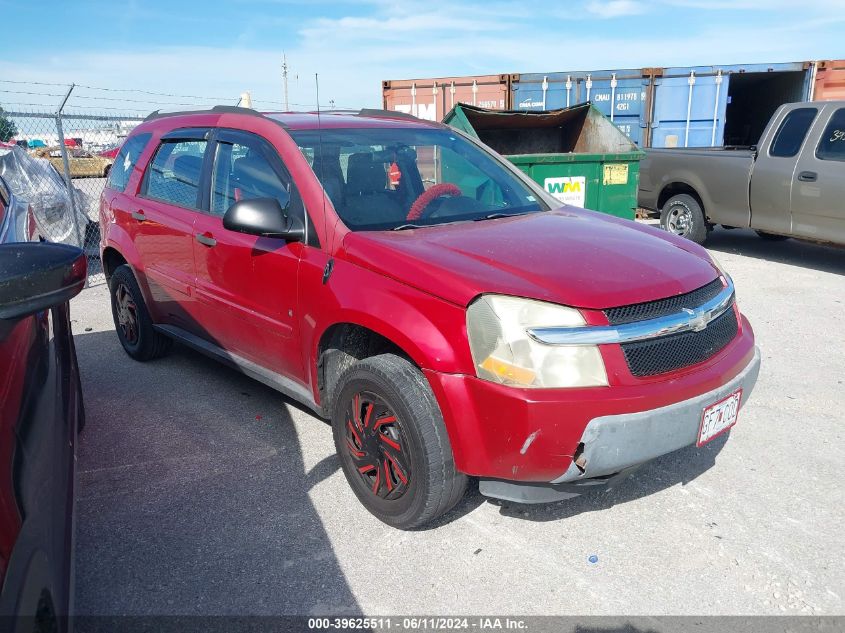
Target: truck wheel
682,215
132,319
392,443
772,237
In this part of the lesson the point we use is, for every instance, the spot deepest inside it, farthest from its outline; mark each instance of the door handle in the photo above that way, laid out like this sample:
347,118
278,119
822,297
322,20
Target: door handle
205,239
808,176
138,215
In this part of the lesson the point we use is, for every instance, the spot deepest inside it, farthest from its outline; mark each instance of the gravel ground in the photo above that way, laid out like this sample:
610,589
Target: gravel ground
201,491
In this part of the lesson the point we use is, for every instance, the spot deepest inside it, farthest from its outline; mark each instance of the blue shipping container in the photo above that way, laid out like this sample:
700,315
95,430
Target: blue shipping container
621,95
703,106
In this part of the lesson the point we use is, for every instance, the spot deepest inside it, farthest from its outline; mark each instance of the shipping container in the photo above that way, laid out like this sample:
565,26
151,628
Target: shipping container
829,84
705,106
431,99
623,96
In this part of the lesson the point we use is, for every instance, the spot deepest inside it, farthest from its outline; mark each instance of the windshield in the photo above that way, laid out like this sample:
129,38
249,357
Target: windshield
389,178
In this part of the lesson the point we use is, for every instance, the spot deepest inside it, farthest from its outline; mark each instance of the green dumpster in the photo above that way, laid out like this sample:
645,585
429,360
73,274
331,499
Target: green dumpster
576,154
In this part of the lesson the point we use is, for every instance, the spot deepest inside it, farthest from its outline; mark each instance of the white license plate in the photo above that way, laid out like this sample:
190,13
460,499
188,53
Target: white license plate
719,417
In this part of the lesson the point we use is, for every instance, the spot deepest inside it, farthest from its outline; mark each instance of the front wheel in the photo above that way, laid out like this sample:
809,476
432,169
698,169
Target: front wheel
392,443
683,216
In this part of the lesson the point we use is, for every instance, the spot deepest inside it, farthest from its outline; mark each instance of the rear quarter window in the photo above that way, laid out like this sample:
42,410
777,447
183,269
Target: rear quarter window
791,133
125,161
832,143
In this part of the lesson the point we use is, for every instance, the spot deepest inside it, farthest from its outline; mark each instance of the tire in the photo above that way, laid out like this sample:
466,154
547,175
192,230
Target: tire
682,215
772,237
394,449
132,319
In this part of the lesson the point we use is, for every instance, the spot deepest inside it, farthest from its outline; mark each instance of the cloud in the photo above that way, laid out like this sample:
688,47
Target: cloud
807,6
353,53
615,8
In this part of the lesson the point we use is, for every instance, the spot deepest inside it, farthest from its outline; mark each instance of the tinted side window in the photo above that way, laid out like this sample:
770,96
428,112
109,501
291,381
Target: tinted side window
174,174
791,133
241,172
832,144
125,161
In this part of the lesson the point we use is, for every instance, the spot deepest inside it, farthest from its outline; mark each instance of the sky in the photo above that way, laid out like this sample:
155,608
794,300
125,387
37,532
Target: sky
218,50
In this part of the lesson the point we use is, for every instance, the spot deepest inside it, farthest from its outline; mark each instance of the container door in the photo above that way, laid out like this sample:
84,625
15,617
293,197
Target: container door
830,81
774,174
819,187
432,99
620,97
689,109
544,92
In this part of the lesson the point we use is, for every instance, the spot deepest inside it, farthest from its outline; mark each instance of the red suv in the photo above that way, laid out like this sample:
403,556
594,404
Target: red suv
405,281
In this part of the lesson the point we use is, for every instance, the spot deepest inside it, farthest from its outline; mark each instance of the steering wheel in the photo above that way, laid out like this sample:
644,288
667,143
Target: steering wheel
420,206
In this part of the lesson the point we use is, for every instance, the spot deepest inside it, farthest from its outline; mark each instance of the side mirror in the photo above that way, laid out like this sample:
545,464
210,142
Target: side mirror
264,217
38,275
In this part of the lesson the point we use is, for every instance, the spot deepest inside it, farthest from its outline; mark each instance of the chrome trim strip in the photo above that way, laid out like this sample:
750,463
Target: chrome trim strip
688,320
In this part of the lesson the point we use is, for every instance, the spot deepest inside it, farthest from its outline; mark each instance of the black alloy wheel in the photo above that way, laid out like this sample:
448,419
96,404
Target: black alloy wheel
377,446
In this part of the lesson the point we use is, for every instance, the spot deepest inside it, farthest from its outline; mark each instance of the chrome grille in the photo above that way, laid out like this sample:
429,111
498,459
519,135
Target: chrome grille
662,307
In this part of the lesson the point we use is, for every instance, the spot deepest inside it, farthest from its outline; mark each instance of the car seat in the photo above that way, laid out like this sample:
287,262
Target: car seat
367,199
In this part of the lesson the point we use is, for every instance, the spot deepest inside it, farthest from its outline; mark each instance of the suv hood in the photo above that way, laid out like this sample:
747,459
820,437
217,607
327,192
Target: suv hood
572,257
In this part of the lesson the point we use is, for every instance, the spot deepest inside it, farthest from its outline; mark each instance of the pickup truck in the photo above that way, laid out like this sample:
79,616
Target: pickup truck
790,185
449,317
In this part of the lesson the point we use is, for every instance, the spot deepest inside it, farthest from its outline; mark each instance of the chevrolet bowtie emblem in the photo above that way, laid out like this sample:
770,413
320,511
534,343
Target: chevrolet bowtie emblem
697,322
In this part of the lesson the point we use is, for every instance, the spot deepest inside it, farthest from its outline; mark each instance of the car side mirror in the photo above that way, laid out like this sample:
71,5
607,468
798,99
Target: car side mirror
264,217
38,275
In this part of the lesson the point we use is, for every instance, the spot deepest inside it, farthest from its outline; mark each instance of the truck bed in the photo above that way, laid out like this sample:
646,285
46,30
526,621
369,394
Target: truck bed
724,173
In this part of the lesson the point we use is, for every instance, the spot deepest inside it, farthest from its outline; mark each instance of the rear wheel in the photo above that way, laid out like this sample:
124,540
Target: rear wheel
132,319
683,216
392,443
772,237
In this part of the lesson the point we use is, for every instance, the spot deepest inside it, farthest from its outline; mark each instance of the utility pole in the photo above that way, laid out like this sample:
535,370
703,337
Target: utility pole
285,79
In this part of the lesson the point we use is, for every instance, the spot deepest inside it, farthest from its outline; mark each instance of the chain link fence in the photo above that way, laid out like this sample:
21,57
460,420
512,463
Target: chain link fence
59,164
59,141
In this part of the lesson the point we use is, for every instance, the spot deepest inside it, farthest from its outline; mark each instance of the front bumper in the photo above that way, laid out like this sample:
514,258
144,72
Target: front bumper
614,446
532,436
615,442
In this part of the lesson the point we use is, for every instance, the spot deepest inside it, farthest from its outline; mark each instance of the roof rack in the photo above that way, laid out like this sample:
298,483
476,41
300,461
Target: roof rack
218,109
387,114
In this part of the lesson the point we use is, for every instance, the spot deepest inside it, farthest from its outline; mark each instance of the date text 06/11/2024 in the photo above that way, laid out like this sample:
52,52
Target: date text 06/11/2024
417,624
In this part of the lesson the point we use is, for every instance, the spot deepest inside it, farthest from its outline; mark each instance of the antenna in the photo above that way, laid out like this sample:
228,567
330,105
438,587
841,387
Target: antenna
330,263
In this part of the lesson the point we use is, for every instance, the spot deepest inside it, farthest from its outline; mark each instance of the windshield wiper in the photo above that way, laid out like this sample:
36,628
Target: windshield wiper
499,214
403,227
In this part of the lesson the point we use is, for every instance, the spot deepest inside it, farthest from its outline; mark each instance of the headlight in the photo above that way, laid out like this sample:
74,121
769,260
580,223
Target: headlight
504,353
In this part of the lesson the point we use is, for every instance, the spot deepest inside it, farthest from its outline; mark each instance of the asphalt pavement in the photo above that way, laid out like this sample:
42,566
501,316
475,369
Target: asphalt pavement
201,491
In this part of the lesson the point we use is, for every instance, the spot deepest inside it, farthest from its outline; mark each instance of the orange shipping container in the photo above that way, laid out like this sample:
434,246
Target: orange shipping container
431,99
830,81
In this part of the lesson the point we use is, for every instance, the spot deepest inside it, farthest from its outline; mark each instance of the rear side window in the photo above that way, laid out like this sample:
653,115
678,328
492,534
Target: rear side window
125,161
832,144
174,174
791,133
